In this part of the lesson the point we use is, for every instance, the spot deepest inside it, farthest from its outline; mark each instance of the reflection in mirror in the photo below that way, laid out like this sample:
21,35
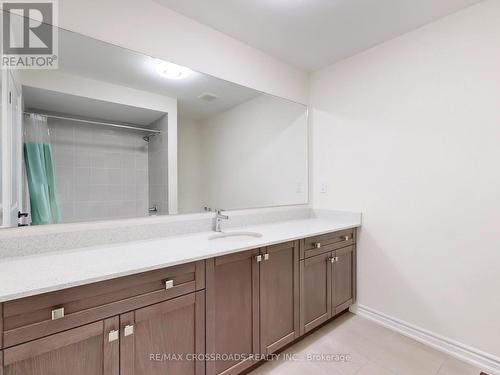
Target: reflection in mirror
115,134
251,155
1,149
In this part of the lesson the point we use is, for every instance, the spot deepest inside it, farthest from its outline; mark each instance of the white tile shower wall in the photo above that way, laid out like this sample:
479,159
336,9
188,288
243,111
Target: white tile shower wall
101,173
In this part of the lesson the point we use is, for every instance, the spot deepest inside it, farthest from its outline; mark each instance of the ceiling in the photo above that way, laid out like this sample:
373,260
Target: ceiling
311,34
94,59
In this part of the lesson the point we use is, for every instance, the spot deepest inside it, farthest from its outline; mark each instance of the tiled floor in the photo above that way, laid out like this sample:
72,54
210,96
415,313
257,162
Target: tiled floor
373,350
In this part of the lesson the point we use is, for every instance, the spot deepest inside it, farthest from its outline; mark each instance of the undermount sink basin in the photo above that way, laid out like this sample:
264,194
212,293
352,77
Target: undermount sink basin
235,236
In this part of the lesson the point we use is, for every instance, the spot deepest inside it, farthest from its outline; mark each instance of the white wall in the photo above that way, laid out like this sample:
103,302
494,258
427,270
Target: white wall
146,26
190,165
255,155
409,134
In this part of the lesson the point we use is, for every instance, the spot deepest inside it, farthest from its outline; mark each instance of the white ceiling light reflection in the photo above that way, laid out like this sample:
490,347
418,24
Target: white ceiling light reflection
172,71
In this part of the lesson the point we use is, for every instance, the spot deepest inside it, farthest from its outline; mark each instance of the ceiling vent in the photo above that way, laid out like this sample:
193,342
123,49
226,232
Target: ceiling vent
208,97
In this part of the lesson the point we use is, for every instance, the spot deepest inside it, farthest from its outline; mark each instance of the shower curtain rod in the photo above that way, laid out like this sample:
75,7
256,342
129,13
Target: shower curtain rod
150,131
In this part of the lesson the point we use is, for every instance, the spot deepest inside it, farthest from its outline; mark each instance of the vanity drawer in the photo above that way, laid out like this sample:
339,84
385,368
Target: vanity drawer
34,317
316,245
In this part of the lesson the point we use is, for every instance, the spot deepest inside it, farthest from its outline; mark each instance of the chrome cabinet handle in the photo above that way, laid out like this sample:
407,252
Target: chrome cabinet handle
58,313
258,258
346,238
317,245
336,259
266,256
169,284
128,330
113,335
331,260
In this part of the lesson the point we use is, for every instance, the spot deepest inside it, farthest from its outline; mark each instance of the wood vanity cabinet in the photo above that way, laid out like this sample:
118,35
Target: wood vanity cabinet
279,296
252,304
343,279
178,320
152,321
1,338
327,277
30,318
162,338
232,290
315,291
155,340
86,350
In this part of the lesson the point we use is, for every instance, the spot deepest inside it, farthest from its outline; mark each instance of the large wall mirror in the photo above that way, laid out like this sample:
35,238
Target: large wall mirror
113,134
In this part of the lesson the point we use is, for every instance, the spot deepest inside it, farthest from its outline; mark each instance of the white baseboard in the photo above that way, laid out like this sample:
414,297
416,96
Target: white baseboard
484,361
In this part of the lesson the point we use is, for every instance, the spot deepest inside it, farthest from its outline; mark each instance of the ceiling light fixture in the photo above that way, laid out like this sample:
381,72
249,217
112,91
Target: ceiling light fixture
172,71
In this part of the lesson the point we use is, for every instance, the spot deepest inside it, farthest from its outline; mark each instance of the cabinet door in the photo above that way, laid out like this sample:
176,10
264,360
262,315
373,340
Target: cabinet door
92,349
279,296
343,279
163,338
315,291
232,311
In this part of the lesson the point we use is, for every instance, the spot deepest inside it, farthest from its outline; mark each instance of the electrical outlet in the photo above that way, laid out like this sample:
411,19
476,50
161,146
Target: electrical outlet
323,188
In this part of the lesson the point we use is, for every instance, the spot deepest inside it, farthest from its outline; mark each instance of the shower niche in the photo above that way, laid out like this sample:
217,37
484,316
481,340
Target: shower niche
87,159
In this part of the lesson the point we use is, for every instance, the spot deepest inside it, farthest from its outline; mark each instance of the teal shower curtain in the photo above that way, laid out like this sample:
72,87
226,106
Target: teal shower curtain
40,171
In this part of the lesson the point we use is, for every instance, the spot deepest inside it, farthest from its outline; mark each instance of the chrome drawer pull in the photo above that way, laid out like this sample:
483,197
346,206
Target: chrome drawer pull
58,313
113,335
169,284
333,259
317,245
128,330
258,258
266,256
346,238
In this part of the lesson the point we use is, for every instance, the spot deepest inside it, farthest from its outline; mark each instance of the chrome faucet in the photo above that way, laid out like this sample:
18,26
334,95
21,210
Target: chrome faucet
218,219
153,210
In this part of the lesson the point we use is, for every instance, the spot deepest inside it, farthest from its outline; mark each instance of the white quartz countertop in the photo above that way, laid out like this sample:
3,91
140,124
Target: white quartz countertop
30,275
